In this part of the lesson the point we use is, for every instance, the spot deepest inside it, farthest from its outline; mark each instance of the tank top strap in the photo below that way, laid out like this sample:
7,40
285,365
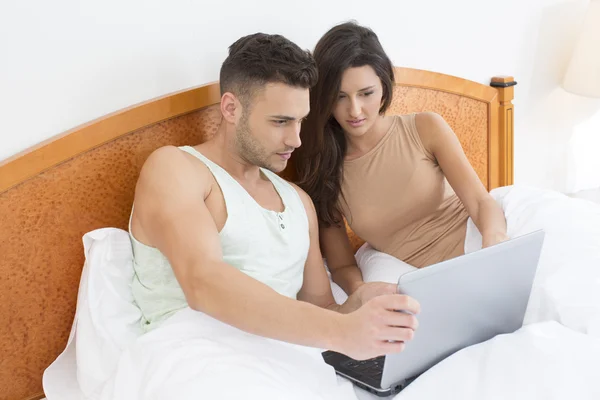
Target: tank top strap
229,186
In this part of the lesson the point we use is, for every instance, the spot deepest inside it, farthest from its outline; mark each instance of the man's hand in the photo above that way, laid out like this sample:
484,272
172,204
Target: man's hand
362,295
377,328
367,291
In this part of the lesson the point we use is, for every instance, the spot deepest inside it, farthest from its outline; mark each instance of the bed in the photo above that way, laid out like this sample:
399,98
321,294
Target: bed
83,180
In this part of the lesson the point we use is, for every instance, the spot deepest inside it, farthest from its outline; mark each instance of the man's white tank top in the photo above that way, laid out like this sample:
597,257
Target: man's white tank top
269,246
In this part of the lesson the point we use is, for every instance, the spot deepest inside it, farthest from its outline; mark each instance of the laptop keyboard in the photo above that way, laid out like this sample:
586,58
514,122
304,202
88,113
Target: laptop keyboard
372,368
367,373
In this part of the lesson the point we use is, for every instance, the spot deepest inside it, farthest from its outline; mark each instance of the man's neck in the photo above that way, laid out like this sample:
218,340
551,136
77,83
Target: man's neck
221,150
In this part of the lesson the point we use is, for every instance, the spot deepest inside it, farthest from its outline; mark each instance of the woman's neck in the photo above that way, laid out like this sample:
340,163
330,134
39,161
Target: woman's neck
361,145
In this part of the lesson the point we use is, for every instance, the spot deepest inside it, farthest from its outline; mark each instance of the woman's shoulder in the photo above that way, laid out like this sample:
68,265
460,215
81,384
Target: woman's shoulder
430,127
423,120
418,127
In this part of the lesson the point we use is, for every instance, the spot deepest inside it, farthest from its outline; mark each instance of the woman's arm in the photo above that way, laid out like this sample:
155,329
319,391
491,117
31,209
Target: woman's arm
339,254
489,219
439,139
341,262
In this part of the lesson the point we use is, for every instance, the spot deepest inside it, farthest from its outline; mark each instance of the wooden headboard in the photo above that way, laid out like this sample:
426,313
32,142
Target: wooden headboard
84,179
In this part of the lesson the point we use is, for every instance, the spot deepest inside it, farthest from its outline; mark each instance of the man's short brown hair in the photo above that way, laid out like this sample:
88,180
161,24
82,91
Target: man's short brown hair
258,59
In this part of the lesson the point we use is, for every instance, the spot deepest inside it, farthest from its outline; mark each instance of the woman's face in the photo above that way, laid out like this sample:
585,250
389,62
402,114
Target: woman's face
359,100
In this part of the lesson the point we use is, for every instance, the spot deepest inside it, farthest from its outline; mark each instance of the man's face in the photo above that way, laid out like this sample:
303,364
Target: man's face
270,131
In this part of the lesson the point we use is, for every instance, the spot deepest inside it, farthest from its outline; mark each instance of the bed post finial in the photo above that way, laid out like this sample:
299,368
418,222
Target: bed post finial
505,87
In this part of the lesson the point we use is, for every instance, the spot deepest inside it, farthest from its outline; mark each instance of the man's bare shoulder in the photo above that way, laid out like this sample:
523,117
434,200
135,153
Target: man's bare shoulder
303,195
170,172
306,201
166,159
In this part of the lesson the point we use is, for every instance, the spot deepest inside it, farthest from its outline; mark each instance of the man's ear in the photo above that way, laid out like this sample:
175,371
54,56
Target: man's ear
229,105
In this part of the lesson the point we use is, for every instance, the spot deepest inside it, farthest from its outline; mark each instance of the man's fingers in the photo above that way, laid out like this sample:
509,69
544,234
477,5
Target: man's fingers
397,334
400,302
392,347
400,319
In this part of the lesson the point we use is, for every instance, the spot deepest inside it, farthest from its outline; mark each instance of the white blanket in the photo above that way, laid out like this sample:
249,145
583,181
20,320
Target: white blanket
194,356
556,355
540,361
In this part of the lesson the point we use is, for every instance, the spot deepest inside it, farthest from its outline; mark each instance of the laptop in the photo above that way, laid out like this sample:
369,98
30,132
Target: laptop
464,301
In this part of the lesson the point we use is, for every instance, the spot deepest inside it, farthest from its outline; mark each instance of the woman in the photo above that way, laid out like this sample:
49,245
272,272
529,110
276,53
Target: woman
403,183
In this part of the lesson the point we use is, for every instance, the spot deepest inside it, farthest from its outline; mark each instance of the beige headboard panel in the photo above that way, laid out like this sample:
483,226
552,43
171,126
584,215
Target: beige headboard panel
84,179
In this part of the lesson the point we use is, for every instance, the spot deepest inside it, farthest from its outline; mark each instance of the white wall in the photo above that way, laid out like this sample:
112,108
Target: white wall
66,62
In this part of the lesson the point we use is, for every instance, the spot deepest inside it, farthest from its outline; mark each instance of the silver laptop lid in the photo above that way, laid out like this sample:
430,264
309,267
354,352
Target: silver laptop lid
464,301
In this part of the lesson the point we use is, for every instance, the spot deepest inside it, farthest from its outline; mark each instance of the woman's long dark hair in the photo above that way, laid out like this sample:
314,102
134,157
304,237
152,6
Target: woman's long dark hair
319,160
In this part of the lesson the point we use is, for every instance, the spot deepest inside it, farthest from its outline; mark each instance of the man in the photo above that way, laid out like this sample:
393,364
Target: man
215,228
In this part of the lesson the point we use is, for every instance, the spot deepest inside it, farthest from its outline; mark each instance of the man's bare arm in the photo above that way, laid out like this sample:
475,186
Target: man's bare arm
170,207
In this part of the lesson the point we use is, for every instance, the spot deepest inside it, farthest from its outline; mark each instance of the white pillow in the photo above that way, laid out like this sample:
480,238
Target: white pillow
375,266
106,321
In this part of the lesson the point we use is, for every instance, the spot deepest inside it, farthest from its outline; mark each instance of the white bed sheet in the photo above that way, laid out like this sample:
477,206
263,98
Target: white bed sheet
555,355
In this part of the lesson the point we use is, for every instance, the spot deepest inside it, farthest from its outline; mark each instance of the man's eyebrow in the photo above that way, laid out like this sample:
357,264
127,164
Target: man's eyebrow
363,89
285,117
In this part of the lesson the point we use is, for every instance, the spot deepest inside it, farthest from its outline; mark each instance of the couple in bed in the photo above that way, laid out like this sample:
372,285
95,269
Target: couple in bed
216,229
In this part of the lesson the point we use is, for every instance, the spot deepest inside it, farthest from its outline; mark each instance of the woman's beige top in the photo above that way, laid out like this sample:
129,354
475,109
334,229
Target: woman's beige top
396,198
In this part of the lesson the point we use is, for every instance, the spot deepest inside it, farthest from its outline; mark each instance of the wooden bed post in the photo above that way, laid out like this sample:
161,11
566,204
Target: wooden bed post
505,86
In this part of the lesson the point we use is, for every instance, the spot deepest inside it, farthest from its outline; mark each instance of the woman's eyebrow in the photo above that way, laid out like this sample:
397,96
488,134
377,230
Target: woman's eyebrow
363,89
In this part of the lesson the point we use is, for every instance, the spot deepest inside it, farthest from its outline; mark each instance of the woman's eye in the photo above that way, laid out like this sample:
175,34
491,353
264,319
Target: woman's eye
368,93
280,121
